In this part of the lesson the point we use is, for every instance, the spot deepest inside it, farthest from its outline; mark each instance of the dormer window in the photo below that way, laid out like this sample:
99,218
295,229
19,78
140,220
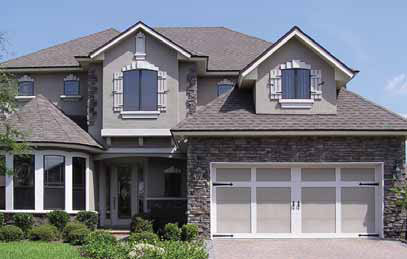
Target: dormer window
25,86
296,83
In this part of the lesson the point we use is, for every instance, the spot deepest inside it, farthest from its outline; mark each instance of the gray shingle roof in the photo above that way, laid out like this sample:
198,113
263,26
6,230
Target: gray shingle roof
227,49
63,54
235,111
41,121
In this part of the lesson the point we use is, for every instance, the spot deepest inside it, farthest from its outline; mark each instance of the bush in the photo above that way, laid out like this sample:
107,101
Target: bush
71,227
172,232
144,237
177,249
1,219
140,223
103,245
89,218
24,221
46,232
78,236
58,218
11,233
189,232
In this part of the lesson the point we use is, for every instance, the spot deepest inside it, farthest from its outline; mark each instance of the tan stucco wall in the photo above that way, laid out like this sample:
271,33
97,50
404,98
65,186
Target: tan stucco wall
51,85
157,54
295,50
208,88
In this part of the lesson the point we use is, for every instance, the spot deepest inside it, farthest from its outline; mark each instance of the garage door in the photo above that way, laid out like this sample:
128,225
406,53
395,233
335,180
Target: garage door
312,200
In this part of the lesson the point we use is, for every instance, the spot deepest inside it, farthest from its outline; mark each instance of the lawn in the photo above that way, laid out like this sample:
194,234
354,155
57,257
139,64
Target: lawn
38,250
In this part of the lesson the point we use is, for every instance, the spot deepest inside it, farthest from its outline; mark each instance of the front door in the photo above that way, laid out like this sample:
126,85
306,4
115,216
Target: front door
288,201
123,194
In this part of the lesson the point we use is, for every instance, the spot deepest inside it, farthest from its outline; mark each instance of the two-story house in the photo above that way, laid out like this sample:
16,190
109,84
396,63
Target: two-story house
244,137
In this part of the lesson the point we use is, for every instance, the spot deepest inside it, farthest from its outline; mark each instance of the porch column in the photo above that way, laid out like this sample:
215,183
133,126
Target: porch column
9,183
68,183
102,193
90,196
39,181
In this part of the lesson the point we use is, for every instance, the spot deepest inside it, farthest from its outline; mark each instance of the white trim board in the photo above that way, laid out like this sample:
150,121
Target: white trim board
146,29
296,32
136,133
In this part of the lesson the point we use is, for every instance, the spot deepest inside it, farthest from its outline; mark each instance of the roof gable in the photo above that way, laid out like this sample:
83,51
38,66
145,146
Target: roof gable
140,25
305,39
43,122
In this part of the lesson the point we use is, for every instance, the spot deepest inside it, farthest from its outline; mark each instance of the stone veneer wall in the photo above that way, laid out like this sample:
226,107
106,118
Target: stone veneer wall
202,151
192,92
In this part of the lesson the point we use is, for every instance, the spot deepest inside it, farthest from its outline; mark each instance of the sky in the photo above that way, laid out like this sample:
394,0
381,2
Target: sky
369,36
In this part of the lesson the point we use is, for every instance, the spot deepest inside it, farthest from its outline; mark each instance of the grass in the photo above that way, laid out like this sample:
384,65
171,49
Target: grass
38,250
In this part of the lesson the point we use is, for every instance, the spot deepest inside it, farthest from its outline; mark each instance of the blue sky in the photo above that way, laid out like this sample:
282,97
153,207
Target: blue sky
367,35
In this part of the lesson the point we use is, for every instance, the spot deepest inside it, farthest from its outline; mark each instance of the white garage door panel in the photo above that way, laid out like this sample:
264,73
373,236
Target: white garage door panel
358,174
358,210
273,210
233,210
318,174
233,175
318,210
273,174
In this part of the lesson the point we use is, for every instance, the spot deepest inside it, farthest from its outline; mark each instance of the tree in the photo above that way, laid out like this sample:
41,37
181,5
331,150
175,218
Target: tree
10,138
401,202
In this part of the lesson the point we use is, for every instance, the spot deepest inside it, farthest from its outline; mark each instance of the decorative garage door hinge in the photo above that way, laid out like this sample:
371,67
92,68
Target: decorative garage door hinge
222,184
369,184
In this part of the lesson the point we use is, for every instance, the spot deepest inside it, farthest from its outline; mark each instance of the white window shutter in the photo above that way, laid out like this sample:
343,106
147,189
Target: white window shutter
118,91
275,84
316,84
162,91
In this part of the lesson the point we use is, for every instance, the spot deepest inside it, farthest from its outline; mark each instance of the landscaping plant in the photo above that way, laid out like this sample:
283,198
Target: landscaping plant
144,237
71,226
103,245
1,219
172,232
11,233
140,224
58,218
24,221
78,236
46,232
89,218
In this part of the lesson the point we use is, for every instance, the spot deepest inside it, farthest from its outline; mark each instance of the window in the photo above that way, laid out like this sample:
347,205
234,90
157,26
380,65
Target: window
223,88
140,90
2,182
24,182
173,179
26,88
296,83
71,88
79,183
54,182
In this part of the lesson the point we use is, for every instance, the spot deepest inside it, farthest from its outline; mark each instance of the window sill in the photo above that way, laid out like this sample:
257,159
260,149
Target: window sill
39,211
24,98
71,97
140,114
296,103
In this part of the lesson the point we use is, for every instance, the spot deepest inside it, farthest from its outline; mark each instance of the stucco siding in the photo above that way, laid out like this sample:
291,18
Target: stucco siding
295,50
208,88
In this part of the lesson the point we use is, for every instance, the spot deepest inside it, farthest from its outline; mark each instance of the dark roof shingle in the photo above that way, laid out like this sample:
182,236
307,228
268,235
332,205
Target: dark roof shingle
43,122
63,55
235,111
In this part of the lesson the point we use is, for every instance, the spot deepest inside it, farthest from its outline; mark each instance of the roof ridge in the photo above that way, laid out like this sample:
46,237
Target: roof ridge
375,104
60,44
186,27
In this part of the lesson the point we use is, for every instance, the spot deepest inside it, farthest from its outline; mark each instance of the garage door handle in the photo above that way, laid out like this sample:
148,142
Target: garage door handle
298,205
222,184
293,205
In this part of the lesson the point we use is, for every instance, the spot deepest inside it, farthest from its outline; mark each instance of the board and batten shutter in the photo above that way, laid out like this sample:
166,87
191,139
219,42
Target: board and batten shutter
162,91
316,85
275,83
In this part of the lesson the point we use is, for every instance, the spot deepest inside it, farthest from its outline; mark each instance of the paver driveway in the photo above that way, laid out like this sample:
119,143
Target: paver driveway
308,249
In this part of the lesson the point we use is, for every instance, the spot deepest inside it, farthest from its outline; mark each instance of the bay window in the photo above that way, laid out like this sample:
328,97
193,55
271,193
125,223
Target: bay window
54,182
79,180
24,191
2,182
140,90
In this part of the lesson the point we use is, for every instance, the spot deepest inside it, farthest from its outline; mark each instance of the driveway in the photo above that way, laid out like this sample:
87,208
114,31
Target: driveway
308,249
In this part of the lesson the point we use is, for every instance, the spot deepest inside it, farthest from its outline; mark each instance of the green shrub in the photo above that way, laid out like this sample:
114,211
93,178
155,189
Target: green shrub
177,249
71,226
89,218
103,245
58,218
172,232
78,236
11,233
189,232
1,219
24,221
139,223
144,237
46,232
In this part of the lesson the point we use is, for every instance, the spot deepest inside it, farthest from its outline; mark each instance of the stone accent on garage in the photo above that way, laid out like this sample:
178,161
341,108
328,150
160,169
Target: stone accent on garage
203,150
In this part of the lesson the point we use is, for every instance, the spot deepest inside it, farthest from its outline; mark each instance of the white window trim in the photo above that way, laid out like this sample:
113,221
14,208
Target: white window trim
70,97
24,97
140,64
140,114
295,173
39,181
296,103
136,133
